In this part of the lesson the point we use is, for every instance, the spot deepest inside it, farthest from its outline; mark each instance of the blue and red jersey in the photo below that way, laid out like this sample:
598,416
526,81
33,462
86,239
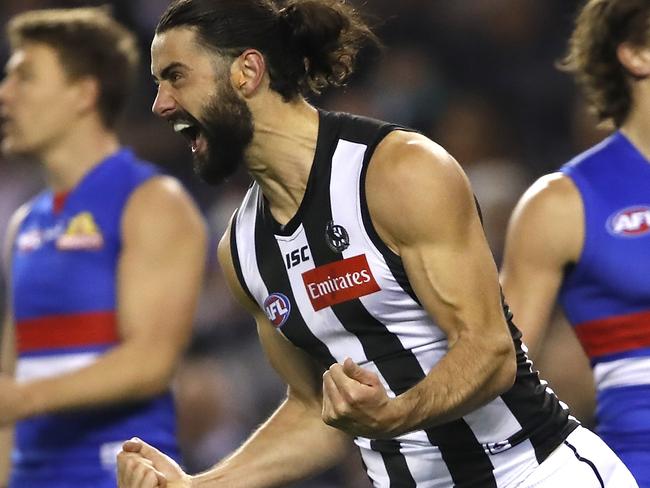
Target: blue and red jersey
64,291
606,295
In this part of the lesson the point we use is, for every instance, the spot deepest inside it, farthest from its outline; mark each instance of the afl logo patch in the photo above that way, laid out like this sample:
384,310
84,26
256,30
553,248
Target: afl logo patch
630,222
337,237
277,308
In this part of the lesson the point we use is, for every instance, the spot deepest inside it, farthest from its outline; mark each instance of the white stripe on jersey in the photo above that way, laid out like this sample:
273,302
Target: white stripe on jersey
622,372
245,233
31,368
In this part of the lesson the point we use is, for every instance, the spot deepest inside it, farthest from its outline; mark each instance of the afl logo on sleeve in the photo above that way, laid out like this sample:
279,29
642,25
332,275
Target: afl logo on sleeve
277,308
630,222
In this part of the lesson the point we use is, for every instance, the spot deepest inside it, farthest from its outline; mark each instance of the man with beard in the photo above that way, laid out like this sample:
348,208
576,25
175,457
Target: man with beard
359,251
105,264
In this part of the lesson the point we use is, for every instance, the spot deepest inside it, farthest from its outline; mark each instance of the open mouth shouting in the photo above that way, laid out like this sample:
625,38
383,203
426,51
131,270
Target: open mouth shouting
192,133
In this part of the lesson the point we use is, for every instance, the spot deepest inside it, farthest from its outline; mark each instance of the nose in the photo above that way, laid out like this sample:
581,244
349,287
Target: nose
164,104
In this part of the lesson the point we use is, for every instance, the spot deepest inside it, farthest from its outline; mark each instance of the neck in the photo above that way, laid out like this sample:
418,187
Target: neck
637,125
281,154
75,153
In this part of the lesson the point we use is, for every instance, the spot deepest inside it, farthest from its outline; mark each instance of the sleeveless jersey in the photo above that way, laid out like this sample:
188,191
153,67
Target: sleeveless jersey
334,289
64,272
606,295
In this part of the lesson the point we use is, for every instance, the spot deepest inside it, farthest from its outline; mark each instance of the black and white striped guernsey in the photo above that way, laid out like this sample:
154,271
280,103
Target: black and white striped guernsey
333,288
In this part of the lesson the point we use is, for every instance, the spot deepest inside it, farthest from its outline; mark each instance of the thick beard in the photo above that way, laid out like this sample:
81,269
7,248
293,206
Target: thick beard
227,125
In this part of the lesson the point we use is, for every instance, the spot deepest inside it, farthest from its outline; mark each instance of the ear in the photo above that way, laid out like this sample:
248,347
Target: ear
86,94
249,71
635,59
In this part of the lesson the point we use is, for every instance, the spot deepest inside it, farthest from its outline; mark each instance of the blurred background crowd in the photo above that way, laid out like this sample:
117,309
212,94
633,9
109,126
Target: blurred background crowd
477,76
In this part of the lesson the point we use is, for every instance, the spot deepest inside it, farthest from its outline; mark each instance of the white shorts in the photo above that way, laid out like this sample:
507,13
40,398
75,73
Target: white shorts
583,460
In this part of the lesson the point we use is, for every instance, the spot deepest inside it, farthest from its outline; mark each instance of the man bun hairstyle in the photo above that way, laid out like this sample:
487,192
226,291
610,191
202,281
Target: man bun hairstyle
88,42
601,26
308,45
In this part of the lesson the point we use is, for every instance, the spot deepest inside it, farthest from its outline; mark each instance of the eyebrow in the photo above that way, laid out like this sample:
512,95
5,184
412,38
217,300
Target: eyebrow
166,72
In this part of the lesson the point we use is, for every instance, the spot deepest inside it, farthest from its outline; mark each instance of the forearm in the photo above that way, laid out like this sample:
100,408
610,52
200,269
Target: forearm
120,375
471,375
6,447
292,445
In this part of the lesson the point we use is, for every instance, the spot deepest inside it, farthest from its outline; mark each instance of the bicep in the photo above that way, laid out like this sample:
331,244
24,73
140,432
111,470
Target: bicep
442,245
451,269
161,266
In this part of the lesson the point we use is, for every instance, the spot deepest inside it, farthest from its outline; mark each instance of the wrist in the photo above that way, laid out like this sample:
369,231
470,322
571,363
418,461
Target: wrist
405,414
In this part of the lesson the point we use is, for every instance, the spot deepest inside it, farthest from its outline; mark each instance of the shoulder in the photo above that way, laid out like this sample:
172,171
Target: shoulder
162,201
409,174
550,216
409,162
553,195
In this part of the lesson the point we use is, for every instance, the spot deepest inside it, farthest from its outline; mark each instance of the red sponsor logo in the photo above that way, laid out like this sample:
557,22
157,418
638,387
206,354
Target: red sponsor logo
632,222
339,282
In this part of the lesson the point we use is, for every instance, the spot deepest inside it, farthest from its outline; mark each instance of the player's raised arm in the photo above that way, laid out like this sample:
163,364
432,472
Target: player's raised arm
430,220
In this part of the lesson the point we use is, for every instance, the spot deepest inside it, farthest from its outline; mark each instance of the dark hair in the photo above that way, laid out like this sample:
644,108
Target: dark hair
308,44
88,42
601,27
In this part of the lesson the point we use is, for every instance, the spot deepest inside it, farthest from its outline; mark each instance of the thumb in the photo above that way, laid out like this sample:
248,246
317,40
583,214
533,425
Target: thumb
356,372
145,450
132,445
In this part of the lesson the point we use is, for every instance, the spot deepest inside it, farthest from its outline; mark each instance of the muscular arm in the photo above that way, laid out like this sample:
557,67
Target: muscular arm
450,267
159,276
293,443
545,234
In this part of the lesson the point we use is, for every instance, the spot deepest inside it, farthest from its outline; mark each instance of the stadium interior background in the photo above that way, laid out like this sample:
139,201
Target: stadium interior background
477,76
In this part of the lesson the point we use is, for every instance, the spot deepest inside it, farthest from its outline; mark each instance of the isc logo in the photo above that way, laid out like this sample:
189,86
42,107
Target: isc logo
630,222
277,308
296,257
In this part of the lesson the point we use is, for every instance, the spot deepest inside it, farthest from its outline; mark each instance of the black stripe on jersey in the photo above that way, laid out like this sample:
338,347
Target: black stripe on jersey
393,260
273,272
397,365
235,256
395,462
543,420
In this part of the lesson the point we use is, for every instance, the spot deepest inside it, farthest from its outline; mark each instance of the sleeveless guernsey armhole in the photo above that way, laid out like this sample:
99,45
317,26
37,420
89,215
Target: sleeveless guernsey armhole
235,256
578,268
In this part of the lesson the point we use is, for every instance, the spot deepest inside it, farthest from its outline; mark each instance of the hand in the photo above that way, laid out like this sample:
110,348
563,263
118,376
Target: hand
356,402
12,401
140,465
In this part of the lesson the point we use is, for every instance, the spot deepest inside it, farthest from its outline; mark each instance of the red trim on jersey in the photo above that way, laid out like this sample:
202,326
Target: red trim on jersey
59,201
62,331
613,335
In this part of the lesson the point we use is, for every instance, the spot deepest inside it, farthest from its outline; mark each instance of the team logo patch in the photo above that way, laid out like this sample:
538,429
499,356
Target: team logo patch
82,233
277,308
337,237
339,282
630,222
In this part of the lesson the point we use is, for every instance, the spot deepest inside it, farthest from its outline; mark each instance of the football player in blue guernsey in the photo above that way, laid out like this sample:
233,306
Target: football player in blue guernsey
359,250
582,235
105,265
